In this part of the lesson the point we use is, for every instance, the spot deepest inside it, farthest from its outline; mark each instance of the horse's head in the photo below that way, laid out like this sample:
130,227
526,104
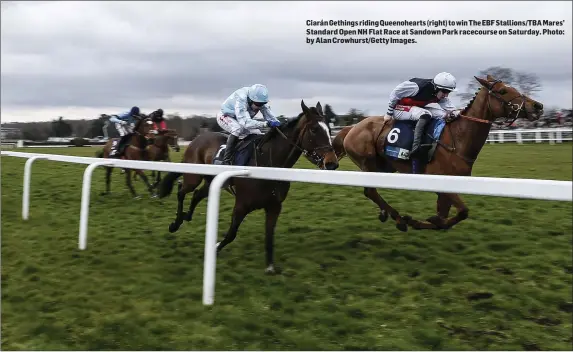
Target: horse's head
314,137
143,126
166,137
508,102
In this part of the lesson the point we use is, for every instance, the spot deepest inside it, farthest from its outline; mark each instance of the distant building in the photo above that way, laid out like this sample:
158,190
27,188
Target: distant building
10,133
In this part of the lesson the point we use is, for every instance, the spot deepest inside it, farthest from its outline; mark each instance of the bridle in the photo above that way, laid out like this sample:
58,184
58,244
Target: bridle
312,154
515,108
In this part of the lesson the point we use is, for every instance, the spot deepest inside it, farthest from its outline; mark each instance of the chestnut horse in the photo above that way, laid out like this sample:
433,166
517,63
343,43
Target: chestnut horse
454,153
338,142
280,147
134,150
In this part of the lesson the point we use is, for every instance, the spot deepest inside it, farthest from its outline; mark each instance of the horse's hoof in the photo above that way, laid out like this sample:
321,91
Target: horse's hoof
436,221
173,227
402,225
103,193
188,217
383,216
153,196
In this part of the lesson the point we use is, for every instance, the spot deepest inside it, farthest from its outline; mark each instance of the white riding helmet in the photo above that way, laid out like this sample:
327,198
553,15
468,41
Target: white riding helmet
259,93
445,80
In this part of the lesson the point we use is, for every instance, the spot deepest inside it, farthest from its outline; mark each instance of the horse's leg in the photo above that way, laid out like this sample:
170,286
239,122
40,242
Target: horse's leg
272,211
190,182
129,185
108,171
441,221
443,205
463,210
239,213
198,196
372,165
144,178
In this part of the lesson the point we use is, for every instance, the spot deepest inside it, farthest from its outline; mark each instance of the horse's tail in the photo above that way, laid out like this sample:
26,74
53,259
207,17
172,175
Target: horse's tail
338,142
99,153
166,185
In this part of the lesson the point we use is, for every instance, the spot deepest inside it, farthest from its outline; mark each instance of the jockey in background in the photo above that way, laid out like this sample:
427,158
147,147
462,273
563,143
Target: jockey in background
420,99
124,124
158,120
237,112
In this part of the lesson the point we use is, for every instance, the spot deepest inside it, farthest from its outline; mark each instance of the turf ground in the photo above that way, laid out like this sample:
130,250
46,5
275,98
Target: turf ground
500,280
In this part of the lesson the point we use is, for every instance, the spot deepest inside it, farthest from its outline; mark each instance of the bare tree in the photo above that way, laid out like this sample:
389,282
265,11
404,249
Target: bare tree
505,74
528,83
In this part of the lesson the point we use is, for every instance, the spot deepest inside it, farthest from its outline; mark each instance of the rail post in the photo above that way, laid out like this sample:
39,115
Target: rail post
84,212
211,232
26,191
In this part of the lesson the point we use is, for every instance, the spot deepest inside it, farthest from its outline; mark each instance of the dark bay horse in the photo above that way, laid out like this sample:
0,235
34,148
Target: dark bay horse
455,151
135,149
280,147
158,149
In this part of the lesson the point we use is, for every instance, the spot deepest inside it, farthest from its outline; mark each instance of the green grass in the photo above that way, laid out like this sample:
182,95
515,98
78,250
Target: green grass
500,280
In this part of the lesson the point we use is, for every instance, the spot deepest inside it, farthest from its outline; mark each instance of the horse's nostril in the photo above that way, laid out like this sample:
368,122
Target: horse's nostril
331,166
538,106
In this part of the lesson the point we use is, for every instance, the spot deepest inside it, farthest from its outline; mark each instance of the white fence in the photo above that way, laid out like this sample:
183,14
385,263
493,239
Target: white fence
488,186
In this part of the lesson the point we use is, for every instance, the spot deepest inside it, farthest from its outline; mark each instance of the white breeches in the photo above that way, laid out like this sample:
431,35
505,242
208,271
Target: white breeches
122,129
413,113
232,126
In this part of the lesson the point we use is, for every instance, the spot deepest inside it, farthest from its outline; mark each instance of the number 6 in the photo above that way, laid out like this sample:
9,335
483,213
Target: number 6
393,135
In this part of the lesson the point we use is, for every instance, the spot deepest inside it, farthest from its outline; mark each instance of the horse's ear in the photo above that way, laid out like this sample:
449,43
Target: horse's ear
304,107
319,109
490,78
482,81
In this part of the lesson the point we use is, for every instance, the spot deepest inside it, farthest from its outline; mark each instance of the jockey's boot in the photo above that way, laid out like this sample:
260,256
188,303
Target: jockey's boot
230,150
418,133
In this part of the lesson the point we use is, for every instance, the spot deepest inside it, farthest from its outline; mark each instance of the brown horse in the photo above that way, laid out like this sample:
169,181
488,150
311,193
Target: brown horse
338,142
454,153
135,149
158,150
280,147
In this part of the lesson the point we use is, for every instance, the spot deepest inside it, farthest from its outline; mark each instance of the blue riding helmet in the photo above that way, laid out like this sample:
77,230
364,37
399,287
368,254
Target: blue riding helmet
259,93
134,111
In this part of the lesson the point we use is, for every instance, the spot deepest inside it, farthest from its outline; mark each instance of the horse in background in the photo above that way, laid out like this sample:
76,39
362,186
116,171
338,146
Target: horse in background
134,149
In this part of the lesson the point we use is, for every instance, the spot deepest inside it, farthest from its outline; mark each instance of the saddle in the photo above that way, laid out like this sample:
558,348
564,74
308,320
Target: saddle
398,142
244,150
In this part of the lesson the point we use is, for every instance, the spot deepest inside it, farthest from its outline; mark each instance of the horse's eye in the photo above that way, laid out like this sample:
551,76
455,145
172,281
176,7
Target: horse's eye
502,91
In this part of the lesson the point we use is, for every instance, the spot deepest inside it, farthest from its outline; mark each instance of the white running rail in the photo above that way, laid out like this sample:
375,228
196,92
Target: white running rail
487,186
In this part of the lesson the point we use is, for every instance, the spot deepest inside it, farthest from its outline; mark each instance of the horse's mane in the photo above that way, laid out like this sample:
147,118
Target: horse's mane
139,122
291,123
469,104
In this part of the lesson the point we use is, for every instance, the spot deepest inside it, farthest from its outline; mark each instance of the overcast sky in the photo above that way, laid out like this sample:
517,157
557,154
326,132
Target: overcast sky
81,59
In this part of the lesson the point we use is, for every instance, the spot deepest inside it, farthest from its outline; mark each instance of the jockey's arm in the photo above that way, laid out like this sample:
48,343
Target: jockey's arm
268,114
114,119
119,118
244,118
447,105
403,90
